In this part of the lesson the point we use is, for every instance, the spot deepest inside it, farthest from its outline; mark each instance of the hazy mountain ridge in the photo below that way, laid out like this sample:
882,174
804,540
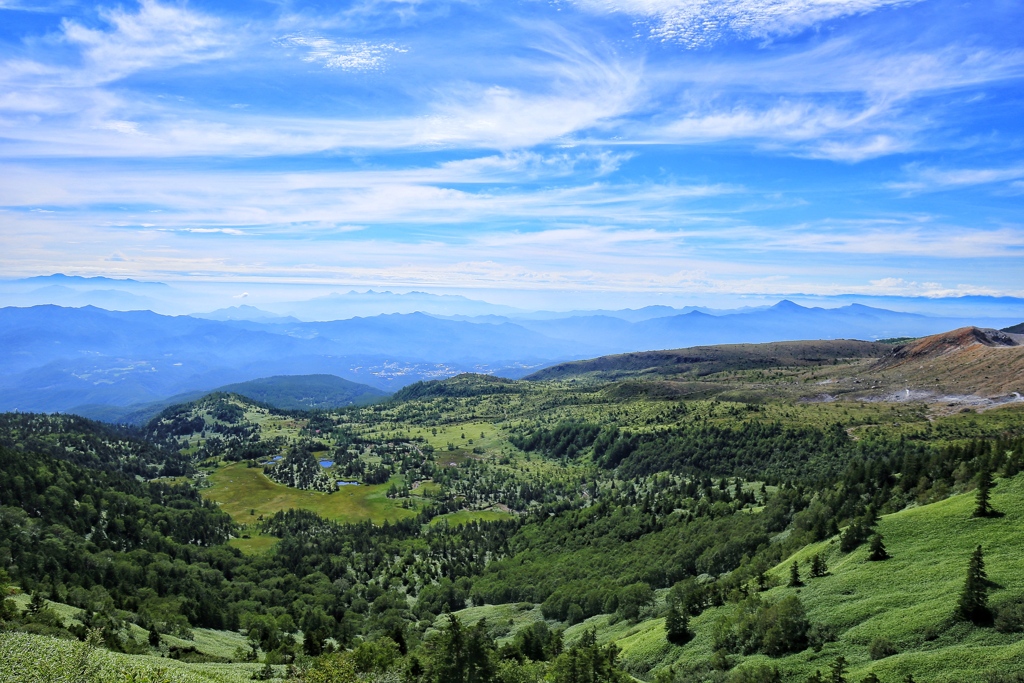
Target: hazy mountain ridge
286,392
58,358
313,304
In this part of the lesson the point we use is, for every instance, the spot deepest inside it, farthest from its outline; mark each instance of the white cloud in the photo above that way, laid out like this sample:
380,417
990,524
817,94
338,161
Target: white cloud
322,203
157,36
201,231
895,237
352,56
801,128
925,179
699,22
900,287
523,165
571,88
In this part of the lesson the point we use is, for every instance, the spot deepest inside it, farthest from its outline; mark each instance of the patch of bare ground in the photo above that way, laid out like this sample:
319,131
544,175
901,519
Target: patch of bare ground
969,367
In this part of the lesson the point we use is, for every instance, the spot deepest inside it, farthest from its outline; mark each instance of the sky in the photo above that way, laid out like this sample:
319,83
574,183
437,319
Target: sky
540,151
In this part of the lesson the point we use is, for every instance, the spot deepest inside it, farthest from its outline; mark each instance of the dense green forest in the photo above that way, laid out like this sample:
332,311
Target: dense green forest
490,530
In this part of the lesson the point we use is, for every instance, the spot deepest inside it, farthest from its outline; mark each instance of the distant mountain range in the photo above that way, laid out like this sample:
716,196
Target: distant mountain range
307,303
55,358
288,392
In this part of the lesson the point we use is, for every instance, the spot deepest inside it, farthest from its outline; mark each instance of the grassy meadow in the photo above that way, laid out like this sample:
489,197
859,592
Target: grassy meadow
908,599
26,658
246,493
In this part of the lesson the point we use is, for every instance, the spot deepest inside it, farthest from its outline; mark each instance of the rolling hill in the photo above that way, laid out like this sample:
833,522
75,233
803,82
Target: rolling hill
287,392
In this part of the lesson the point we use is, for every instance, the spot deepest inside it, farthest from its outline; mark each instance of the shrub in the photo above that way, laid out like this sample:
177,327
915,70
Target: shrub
1010,617
880,648
758,673
757,626
820,634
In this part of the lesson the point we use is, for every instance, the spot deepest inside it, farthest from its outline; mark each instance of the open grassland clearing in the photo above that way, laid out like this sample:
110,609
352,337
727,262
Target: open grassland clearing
26,658
254,545
464,516
246,493
503,621
908,599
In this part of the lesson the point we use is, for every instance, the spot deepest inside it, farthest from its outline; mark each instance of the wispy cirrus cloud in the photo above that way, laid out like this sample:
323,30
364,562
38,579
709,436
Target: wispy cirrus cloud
156,36
922,237
347,56
929,179
573,88
522,143
316,203
696,23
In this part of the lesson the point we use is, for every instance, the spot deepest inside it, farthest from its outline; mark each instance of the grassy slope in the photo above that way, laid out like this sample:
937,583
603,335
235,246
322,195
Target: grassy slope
28,659
901,599
240,489
463,516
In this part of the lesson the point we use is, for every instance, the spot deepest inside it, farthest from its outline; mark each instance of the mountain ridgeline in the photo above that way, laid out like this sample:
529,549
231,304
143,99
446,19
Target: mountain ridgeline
90,360
716,514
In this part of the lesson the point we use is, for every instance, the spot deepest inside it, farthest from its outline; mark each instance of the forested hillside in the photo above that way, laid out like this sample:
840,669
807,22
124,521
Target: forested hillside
492,530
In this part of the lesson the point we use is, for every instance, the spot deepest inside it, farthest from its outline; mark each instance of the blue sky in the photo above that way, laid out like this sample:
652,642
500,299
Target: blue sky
536,149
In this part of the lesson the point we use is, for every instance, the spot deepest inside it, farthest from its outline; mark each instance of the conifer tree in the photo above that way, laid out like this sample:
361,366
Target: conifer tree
983,506
794,575
870,678
878,551
677,625
973,605
838,674
818,567
37,604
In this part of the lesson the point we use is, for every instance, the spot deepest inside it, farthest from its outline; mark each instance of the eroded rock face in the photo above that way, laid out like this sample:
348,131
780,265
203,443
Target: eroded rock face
964,364
939,345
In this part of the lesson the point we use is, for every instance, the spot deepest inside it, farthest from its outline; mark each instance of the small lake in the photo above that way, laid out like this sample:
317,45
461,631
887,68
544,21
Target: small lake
326,463
348,483
276,458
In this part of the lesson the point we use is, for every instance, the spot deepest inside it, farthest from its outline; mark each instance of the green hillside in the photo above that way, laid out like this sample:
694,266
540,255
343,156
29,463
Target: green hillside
908,600
503,531
305,392
285,392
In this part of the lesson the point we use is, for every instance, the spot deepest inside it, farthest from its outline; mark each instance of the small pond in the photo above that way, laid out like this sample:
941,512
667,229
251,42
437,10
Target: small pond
326,463
348,483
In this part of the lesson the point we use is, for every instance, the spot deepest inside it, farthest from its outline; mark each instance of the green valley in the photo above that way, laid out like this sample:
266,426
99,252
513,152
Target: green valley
614,520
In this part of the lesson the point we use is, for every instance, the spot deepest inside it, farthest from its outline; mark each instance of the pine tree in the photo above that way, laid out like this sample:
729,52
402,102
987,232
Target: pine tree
870,678
37,604
878,551
677,625
838,670
794,575
983,506
818,567
973,605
